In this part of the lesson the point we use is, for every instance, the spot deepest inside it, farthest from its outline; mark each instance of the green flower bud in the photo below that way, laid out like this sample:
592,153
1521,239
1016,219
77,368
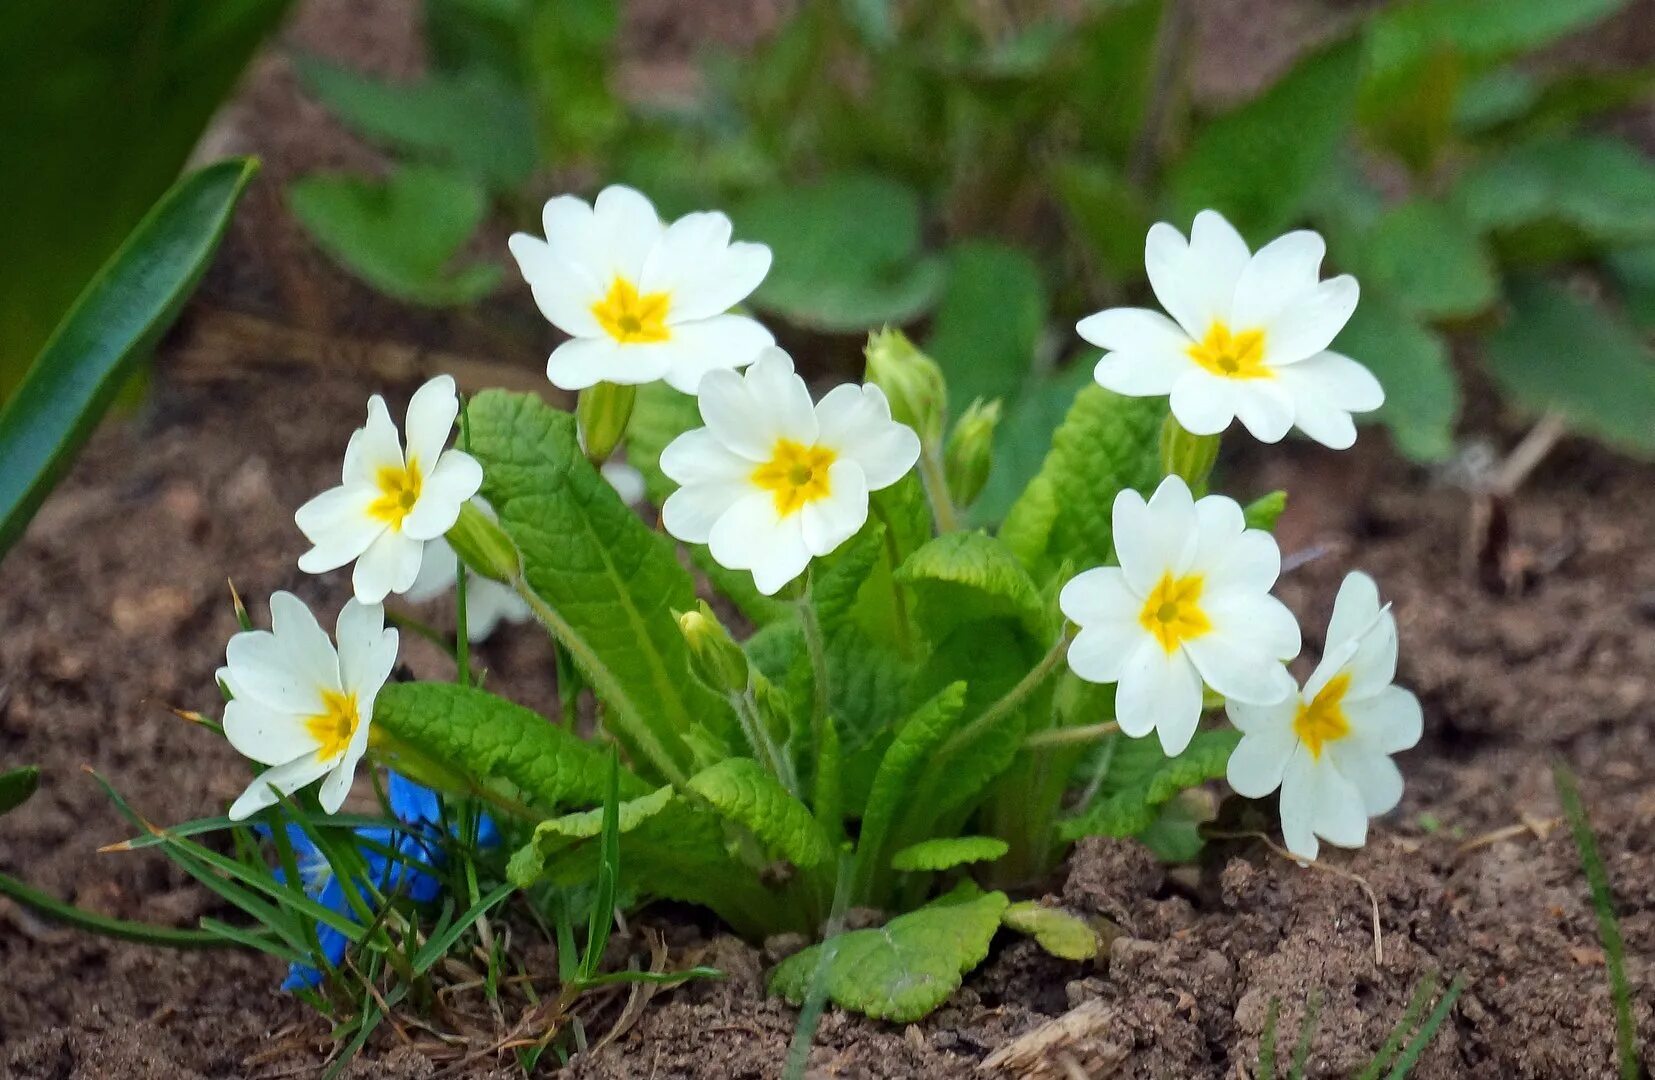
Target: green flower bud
601,413
714,658
1187,455
482,545
970,452
912,382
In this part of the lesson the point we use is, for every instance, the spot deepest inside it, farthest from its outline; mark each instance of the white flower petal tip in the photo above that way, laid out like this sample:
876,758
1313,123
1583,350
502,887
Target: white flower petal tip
774,480
391,499
1247,339
1189,604
641,299
302,705
1329,746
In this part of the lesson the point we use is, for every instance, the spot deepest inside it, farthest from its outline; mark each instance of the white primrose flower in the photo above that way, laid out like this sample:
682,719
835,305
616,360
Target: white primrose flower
1189,603
1328,746
640,299
772,480
1248,337
301,706
390,502
487,602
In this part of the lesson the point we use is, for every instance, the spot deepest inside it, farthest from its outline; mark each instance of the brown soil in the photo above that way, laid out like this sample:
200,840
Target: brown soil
113,609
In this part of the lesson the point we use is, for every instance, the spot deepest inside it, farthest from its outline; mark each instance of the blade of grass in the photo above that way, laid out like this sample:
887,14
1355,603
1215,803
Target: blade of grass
1416,1046
1609,927
252,939
804,1033
437,946
1267,1042
70,915
1423,993
1307,1031
602,919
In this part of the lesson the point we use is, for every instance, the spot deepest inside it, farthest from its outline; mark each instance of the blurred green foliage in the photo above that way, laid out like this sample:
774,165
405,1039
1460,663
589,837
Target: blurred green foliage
993,169
100,104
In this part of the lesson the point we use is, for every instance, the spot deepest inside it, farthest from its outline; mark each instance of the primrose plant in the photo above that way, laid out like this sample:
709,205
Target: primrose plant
917,718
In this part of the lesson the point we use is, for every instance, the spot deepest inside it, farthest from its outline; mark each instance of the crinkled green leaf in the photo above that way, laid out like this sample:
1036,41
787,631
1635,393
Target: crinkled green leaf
893,785
556,834
904,969
1261,162
1558,352
1425,257
1025,435
740,789
1060,932
847,253
489,738
1141,778
608,583
1557,197
472,122
401,235
17,786
1422,396
947,852
992,313
1106,444
970,577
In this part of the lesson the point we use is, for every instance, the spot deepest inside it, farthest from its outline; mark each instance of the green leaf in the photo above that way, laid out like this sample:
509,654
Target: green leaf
1264,511
1141,777
847,253
1402,34
1563,354
606,584
1262,162
916,742
904,969
992,313
1556,197
471,122
112,326
572,68
489,738
742,791
1422,255
1106,444
947,852
1062,933
402,235
1025,435
17,786
1110,82
1422,397
970,577
557,834
1107,212
1634,271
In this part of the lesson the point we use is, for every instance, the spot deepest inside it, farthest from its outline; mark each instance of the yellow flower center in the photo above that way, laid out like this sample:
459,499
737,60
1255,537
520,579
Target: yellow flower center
1322,720
1173,611
1234,356
632,319
334,726
399,490
795,475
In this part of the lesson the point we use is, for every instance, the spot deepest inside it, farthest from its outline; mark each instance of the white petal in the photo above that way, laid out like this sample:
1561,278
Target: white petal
1196,281
1139,374
431,413
1157,537
564,291
1234,664
1256,765
1100,650
627,481
367,649
583,362
1263,719
1375,776
1309,324
373,446
1341,816
1355,610
1300,794
338,526
722,341
338,784
856,421
749,412
302,640
703,272
1134,330
1160,690
488,604
262,671
1325,390
1249,563
444,491
1100,595
828,522
265,735
1278,274
573,239
628,227
697,457
286,778
751,536
691,512
438,569
1390,721
389,566
1219,523
1264,409
1204,403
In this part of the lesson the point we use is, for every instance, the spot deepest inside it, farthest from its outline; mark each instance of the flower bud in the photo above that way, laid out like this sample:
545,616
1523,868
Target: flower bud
1187,455
970,451
601,414
482,545
912,381
714,658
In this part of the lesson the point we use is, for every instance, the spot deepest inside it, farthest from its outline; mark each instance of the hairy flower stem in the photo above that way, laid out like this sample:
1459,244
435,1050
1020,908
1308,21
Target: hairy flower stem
758,735
899,602
1187,455
1045,740
1014,697
935,481
817,649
